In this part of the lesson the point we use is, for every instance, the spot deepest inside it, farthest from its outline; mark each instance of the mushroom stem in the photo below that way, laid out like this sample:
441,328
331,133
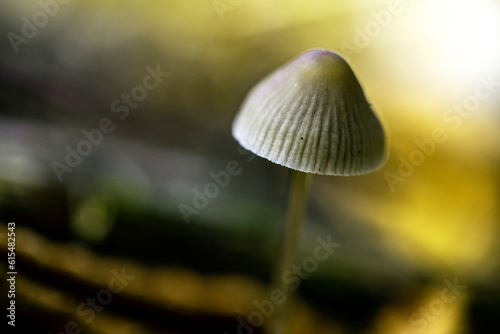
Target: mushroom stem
297,202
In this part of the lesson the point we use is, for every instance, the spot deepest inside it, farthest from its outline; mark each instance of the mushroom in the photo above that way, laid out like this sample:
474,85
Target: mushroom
311,116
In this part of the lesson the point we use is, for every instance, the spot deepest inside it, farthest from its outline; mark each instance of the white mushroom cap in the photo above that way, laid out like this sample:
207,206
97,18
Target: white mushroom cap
311,115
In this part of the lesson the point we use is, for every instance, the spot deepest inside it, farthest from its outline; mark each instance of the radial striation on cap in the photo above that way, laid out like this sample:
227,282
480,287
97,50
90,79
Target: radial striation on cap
311,115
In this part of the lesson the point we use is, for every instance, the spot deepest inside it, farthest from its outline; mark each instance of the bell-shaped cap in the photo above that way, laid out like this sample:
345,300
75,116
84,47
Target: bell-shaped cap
311,115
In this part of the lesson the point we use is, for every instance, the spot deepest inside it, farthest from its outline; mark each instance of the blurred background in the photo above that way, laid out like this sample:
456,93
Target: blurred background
115,136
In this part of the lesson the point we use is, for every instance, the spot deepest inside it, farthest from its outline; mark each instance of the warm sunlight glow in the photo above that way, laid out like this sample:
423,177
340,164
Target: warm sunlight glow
464,36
